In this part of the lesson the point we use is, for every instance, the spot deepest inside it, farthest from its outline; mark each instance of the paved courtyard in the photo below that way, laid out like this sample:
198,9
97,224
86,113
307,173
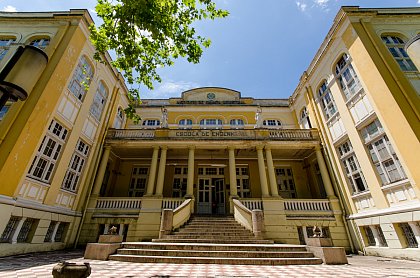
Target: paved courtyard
41,264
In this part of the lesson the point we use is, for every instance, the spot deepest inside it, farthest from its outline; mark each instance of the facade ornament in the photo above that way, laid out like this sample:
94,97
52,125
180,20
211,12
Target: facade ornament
164,122
258,118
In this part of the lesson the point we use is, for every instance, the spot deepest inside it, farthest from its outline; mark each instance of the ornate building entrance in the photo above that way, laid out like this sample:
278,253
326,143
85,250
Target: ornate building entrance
211,191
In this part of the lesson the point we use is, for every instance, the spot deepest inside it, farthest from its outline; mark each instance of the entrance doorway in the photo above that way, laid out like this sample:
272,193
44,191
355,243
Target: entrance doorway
211,192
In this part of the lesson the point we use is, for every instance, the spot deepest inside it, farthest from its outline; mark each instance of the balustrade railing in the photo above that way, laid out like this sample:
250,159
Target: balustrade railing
307,205
252,204
171,203
118,203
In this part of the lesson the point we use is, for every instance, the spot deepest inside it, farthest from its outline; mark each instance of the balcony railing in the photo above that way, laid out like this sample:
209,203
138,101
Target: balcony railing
252,204
171,203
118,203
214,134
307,205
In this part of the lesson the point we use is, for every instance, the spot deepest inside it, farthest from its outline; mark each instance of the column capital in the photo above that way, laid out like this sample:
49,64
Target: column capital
318,148
156,147
259,147
191,147
231,147
164,147
267,147
107,147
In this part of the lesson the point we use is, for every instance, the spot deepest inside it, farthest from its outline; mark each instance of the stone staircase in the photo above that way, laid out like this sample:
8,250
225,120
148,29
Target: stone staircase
214,240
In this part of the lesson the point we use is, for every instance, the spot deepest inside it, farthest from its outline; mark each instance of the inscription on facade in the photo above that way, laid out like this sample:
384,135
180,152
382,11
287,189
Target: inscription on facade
211,133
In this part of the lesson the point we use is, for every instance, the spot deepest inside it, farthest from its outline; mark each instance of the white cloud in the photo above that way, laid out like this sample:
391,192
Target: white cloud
302,6
9,9
321,3
170,88
418,2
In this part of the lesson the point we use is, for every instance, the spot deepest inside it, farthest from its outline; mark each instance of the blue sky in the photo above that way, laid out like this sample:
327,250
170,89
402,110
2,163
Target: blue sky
261,49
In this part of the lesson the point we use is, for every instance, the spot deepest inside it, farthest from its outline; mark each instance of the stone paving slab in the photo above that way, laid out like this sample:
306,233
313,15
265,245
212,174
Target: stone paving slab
41,264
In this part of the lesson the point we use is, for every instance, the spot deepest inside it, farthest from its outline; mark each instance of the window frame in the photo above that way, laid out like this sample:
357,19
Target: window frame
99,101
214,123
345,75
4,49
81,78
396,45
76,166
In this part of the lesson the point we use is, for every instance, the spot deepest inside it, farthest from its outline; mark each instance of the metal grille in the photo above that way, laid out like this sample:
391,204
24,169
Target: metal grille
409,235
24,231
382,239
50,231
59,236
10,228
370,237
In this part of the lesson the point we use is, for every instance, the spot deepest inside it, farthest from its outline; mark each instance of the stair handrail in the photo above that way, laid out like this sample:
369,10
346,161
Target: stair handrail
172,219
251,220
181,214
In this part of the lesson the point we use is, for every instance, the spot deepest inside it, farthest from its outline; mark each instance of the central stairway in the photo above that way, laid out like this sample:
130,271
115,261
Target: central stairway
214,240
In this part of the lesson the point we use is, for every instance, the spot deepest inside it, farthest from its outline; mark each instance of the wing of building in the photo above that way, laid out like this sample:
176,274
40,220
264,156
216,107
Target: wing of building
341,153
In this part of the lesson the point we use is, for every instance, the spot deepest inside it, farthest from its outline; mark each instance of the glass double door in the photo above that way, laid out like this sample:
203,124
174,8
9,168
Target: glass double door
211,196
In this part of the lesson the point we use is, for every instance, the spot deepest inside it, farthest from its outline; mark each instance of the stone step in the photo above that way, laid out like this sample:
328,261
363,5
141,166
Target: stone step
215,247
215,233
223,241
208,253
210,237
213,260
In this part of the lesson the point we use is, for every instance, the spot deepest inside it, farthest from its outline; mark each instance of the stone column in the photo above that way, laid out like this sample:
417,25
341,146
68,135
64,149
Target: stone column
190,177
161,173
261,169
271,173
101,171
55,231
152,173
232,173
17,230
324,173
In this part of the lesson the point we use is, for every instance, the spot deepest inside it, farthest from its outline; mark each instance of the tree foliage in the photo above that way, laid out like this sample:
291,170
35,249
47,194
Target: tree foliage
148,34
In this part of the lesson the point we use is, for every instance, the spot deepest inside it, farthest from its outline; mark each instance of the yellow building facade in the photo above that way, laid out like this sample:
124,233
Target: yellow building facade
49,144
340,153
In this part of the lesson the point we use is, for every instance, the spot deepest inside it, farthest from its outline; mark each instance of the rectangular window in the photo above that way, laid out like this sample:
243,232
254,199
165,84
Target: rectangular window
179,185
5,46
81,79
409,235
10,229
352,168
285,182
25,230
138,182
48,153
76,166
61,232
382,153
242,182
50,231
369,236
99,101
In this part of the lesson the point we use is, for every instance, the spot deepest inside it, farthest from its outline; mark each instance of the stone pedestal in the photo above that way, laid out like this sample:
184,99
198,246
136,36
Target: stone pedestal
107,245
323,249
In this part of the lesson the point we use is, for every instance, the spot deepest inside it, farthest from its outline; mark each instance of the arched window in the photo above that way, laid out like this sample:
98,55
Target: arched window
151,122
5,46
211,123
119,118
99,101
41,43
81,79
185,123
272,123
304,119
327,101
237,123
347,77
396,47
